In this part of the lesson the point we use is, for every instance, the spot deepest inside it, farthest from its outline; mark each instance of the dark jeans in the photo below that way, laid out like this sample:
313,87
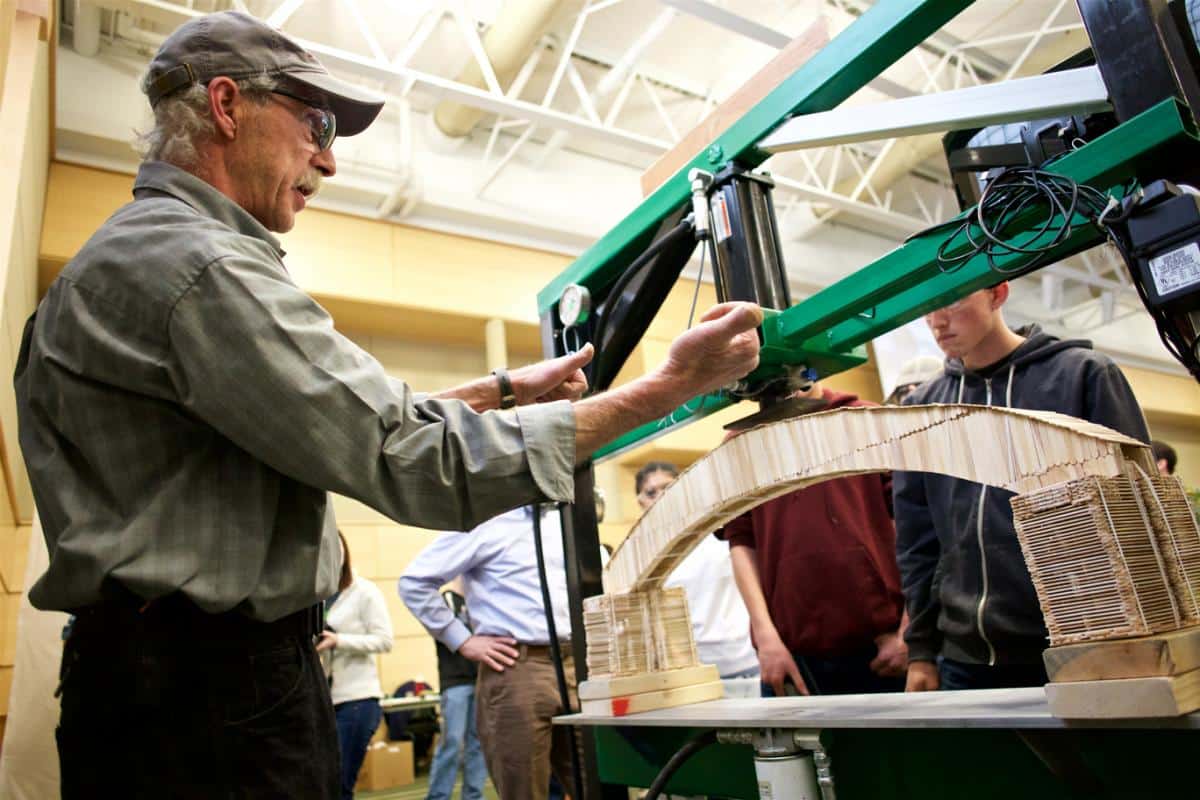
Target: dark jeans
848,674
356,724
961,675
172,702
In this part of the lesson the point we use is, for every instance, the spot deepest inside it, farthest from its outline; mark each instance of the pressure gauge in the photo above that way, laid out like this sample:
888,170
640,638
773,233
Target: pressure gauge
574,305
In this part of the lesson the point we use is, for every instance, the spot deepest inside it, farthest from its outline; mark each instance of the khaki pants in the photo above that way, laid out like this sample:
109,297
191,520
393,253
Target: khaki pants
513,711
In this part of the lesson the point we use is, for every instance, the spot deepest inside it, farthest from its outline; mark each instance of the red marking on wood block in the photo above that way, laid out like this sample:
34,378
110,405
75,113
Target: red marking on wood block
620,706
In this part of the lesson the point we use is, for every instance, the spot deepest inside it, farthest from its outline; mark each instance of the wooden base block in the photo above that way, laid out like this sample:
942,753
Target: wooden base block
1126,698
1163,654
649,701
602,688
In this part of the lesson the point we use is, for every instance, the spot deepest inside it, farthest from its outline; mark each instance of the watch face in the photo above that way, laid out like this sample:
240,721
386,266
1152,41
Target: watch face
574,305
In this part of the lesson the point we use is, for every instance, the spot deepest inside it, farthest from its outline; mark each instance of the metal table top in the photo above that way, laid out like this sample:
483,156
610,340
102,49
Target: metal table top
409,703
989,708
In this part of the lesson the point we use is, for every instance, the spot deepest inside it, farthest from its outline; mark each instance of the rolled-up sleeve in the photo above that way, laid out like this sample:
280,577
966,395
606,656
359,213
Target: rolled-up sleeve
259,360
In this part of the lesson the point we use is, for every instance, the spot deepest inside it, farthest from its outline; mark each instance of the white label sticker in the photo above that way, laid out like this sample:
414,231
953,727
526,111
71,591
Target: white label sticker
1176,269
720,213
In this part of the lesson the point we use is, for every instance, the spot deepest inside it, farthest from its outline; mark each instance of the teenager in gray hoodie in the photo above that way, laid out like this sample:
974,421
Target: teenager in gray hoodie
974,618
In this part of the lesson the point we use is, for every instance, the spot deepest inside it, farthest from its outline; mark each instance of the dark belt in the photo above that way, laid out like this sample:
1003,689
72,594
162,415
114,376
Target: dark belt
175,618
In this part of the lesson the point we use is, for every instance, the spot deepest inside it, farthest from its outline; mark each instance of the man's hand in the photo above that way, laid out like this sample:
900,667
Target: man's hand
497,652
559,378
892,658
777,666
720,349
922,677
328,641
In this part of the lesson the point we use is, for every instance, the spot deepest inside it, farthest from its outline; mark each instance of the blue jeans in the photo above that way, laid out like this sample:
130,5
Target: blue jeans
848,674
961,675
458,743
357,721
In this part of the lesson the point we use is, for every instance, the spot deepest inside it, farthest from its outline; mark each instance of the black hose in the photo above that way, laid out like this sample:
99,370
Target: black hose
564,697
684,228
669,769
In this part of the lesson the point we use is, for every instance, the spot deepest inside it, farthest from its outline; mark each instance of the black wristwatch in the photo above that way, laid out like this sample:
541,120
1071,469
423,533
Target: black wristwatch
508,399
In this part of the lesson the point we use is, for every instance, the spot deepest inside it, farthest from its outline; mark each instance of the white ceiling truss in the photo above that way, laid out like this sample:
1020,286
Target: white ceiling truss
618,98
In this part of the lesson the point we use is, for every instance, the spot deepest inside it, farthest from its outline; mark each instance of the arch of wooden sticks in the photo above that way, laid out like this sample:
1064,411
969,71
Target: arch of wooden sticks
1013,449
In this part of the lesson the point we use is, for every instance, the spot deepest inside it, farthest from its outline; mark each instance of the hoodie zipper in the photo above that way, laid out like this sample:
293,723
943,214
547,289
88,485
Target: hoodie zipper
982,554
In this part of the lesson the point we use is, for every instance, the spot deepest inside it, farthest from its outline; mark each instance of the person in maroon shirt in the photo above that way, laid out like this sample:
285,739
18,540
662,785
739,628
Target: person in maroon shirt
817,571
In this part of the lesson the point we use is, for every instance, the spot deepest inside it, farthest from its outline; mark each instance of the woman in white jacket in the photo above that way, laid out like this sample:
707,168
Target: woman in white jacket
357,627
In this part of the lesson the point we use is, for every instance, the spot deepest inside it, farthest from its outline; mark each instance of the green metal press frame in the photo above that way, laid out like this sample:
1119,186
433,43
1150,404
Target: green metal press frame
829,330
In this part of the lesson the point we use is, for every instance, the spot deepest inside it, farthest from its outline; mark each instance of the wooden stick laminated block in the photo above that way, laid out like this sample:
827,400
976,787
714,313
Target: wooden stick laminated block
638,632
1096,564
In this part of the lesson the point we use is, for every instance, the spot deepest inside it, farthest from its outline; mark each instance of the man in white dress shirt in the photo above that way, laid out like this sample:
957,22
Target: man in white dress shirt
517,693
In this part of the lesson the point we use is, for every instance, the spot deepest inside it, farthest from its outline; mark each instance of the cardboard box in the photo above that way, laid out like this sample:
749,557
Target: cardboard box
387,764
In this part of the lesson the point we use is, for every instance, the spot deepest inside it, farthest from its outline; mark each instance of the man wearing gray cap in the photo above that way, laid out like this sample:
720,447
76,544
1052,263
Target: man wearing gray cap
184,408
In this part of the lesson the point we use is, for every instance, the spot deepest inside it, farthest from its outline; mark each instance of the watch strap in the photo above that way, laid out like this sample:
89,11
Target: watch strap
508,398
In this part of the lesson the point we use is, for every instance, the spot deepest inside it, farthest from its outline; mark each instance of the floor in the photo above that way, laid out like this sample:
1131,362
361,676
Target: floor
416,791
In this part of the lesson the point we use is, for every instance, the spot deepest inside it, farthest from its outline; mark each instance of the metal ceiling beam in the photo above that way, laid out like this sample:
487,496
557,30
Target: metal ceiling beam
1076,91
860,53
169,14
701,9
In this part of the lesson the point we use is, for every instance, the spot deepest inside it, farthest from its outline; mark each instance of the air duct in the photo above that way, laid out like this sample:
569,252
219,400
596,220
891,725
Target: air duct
506,44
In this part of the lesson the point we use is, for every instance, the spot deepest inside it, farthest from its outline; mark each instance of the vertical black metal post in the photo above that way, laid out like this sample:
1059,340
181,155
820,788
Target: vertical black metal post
581,555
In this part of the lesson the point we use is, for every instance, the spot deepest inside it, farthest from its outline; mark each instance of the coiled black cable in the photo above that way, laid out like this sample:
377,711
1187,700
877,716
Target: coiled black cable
1011,198
676,761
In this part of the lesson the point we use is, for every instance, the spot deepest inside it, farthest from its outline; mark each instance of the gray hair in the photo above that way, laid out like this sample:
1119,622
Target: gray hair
182,121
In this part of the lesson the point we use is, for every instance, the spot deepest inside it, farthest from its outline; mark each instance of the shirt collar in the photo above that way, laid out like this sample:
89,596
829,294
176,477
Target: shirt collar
202,196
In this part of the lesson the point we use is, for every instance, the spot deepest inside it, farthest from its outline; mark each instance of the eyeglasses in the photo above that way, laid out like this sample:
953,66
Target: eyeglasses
321,121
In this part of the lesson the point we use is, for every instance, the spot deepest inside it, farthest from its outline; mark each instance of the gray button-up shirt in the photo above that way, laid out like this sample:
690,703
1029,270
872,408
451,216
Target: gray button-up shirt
184,407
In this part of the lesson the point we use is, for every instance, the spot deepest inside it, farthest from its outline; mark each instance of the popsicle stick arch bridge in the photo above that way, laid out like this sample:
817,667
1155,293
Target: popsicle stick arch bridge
1012,449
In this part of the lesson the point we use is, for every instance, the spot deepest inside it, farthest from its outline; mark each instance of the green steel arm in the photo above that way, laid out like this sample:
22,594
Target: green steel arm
859,54
906,283
829,329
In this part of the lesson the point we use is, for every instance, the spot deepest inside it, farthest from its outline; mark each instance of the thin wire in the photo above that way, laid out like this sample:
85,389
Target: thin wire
699,276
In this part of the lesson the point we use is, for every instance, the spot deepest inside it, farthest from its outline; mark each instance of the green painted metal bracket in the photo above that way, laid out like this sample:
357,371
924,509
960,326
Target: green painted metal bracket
856,56
773,358
906,283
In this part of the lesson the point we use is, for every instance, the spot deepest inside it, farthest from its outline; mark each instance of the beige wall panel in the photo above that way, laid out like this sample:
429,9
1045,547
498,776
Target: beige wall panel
6,676
340,254
672,318
403,623
398,545
78,200
9,605
363,541
1170,399
1186,441
613,533
348,511
14,553
471,276
411,657
426,366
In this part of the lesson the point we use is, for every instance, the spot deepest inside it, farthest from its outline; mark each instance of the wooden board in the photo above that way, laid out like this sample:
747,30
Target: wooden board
1164,654
1126,698
602,688
649,701
779,69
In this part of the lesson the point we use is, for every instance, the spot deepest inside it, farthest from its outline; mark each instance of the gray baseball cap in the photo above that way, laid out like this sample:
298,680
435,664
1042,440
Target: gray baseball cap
238,46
